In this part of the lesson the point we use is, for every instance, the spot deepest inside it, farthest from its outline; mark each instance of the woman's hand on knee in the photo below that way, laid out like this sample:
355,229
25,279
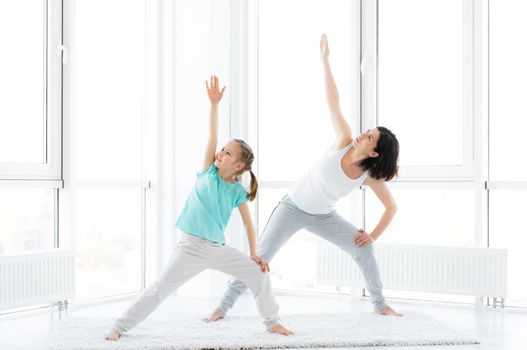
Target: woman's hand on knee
362,239
264,265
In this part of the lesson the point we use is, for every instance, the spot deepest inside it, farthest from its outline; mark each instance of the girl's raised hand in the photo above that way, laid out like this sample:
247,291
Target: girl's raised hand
324,47
213,89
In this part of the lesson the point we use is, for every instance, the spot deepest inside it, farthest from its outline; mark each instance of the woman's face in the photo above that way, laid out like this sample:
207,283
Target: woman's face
366,142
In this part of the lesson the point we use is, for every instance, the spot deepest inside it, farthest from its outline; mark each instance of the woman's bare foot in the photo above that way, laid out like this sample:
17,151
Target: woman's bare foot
280,330
216,315
113,336
388,311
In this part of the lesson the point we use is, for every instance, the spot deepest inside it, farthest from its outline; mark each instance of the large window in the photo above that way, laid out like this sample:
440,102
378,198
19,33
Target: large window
290,85
72,136
23,72
290,124
106,75
420,79
507,122
507,76
397,64
423,84
30,112
30,124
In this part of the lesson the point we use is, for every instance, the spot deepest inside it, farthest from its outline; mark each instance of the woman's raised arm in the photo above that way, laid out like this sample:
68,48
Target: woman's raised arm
342,129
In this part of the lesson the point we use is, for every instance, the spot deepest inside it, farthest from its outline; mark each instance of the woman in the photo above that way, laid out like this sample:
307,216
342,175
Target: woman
369,159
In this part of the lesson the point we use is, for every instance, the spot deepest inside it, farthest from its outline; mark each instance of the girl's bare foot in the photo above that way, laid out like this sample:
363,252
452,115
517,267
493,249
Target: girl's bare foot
280,330
388,311
113,336
216,315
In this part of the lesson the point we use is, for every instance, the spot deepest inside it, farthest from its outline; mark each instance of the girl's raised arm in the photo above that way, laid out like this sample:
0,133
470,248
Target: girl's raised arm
215,95
342,129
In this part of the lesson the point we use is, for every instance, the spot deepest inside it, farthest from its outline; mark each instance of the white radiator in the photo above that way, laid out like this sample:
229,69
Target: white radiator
36,278
469,271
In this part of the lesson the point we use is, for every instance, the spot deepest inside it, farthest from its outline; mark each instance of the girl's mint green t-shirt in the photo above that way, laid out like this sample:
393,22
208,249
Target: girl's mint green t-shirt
209,205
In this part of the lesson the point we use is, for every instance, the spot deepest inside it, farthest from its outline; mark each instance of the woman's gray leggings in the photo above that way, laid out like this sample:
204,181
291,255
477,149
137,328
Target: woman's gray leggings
286,220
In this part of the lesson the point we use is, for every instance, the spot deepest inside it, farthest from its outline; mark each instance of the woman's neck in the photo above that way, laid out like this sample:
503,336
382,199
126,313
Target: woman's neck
352,158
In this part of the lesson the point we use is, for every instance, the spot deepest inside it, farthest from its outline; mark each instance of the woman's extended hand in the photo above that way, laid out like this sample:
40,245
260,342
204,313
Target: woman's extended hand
324,47
213,90
362,239
264,265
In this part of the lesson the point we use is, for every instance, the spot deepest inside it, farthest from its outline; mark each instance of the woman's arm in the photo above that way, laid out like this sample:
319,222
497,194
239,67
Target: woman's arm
383,193
251,236
215,95
342,129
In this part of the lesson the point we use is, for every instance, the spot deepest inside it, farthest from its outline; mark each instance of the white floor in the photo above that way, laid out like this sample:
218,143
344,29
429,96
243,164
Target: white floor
497,329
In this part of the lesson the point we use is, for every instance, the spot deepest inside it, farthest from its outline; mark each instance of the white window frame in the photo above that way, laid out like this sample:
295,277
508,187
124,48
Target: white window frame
148,221
369,68
51,169
252,66
473,174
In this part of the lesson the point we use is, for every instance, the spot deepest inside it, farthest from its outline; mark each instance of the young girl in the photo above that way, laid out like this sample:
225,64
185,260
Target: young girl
203,219
369,159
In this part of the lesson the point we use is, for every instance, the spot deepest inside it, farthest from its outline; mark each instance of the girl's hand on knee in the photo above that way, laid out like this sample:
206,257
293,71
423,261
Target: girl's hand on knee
362,239
264,265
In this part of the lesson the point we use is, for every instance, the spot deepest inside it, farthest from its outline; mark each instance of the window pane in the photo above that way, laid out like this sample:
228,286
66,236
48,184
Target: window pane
294,121
420,79
108,69
440,217
210,26
22,121
507,230
507,75
108,242
436,217
26,221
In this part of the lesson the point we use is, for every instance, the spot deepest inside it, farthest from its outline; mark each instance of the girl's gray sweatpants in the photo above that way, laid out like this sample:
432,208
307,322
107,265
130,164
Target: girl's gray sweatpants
192,255
286,220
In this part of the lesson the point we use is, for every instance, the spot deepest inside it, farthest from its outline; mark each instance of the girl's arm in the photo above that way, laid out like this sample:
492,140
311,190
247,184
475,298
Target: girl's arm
342,129
383,193
215,95
251,236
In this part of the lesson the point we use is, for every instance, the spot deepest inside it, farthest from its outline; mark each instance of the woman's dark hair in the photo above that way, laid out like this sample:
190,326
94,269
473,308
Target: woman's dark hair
246,156
385,165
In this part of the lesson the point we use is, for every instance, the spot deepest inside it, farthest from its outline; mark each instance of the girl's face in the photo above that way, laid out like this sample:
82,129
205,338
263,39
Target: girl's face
227,158
367,141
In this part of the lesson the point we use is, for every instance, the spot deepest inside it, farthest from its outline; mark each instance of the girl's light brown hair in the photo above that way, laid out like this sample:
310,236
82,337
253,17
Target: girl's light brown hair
247,157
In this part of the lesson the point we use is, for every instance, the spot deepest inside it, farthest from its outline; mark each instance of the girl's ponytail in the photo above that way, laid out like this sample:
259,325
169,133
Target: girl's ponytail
247,157
253,187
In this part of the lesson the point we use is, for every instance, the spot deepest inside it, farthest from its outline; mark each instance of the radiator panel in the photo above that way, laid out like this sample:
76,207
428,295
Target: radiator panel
466,271
36,278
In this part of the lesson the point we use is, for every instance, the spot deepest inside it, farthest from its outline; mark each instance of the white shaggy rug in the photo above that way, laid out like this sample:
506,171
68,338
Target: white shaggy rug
321,330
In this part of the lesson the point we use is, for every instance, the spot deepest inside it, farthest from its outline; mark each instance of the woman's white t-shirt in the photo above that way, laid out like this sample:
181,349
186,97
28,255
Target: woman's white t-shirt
318,191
